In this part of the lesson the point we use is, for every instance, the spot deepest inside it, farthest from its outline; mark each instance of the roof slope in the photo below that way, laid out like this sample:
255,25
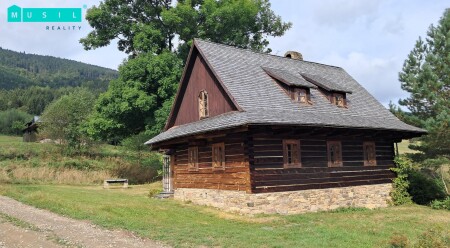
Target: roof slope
263,101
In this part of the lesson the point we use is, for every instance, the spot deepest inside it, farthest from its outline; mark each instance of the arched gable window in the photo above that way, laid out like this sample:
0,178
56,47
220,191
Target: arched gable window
203,104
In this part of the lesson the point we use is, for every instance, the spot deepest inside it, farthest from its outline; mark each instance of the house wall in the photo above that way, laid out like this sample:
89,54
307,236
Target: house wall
201,78
269,175
235,176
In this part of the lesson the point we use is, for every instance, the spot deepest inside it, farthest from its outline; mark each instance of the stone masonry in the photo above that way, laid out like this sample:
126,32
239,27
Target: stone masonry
290,202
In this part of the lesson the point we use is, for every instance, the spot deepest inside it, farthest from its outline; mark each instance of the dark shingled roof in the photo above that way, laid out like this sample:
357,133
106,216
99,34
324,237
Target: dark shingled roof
325,83
264,103
288,78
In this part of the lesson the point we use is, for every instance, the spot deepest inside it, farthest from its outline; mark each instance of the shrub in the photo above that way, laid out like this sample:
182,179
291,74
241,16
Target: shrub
12,121
423,188
441,204
399,193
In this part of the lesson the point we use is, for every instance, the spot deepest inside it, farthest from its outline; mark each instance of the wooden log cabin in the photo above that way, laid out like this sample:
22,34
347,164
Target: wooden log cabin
258,133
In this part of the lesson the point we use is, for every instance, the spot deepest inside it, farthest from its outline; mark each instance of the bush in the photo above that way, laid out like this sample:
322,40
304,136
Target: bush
399,193
424,189
441,204
12,121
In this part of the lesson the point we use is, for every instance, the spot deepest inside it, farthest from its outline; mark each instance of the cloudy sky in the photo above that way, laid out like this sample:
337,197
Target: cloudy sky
370,39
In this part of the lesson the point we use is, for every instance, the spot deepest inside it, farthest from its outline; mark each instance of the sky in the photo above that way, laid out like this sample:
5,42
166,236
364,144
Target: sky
370,39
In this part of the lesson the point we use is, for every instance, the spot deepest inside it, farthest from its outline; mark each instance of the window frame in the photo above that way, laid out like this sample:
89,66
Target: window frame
193,158
367,161
203,105
297,92
334,97
218,165
338,162
296,160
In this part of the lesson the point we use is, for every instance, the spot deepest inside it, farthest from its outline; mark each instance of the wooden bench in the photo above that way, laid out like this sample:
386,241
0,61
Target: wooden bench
118,180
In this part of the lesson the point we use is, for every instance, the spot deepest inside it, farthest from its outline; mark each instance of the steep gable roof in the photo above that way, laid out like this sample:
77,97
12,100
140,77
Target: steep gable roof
262,101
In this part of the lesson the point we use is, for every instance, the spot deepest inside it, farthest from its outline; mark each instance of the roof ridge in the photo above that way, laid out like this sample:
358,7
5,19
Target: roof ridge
262,53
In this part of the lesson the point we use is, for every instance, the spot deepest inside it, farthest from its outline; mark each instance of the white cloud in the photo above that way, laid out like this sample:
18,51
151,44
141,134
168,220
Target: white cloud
342,13
394,25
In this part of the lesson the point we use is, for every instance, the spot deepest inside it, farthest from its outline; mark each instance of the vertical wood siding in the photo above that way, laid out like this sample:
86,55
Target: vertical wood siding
201,78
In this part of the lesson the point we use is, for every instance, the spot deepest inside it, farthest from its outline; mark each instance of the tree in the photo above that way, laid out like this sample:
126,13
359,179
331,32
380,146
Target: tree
426,76
129,105
12,121
63,119
151,26
140,99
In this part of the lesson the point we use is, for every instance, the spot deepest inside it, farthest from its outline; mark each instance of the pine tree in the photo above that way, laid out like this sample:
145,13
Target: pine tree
426,76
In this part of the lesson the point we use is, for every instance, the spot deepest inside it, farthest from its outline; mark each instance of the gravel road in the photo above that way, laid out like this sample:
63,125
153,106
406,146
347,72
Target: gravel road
25,226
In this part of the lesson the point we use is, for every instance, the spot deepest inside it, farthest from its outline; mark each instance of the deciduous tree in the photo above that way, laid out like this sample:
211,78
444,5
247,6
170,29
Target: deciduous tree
148,31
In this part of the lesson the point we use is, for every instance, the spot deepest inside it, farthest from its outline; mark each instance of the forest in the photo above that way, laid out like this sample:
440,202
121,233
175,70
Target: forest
22,70
29,82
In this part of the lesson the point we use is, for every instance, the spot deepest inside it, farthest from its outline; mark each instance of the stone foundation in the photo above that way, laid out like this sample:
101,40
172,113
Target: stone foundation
291,202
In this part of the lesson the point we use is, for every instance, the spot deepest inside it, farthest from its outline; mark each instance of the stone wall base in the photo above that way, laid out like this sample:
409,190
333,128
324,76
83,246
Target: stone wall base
291,202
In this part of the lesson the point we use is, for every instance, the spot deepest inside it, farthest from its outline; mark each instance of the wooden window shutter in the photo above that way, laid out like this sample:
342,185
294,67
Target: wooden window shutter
334,153
291,153
218,156
369,154
193,158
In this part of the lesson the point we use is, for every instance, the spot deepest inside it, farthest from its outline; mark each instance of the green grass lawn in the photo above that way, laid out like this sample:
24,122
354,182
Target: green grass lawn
186,225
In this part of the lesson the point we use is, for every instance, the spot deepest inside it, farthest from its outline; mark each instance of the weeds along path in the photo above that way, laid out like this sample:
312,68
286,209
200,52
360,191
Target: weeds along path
25,226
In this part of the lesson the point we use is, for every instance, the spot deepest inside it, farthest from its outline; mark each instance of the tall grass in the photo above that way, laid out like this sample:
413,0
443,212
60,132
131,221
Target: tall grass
50,164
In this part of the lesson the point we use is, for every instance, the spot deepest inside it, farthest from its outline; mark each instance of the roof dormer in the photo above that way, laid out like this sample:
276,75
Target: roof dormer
333,91
295,86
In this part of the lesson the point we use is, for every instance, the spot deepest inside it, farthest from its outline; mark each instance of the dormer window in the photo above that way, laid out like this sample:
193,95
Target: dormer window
203,104
301,95
338,99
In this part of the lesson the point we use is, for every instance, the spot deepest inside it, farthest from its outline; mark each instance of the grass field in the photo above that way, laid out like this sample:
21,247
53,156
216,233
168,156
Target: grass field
186,225
403,147
22,162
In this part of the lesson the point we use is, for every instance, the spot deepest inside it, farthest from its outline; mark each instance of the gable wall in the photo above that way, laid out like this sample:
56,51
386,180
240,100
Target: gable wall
201,78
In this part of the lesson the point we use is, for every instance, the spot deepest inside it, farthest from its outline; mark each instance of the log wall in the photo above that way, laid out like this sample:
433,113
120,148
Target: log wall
235,176
269,175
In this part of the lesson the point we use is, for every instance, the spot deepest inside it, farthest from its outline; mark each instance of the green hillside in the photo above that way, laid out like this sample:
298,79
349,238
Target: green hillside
21,70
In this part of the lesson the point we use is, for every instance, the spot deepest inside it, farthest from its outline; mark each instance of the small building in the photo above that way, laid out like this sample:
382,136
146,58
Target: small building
257,133
30,132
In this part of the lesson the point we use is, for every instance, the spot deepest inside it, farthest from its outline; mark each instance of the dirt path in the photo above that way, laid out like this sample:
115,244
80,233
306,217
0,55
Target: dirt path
25,226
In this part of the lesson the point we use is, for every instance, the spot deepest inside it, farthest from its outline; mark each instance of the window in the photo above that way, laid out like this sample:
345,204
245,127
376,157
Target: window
301,95
193,158
218,156
203,104
334,153
369,154
291,153
338,99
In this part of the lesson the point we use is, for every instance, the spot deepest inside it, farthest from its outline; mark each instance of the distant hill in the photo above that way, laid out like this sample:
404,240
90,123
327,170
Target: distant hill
22,70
